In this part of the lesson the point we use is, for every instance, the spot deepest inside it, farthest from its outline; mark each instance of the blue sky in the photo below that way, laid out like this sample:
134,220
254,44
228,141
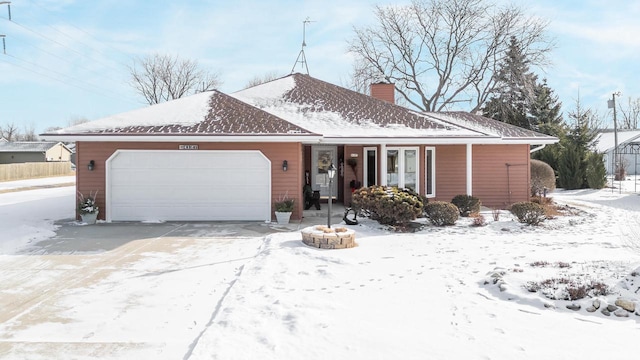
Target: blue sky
69,59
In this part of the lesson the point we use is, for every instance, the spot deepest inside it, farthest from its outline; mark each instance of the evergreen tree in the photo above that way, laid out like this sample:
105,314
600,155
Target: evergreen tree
571,174
576,148
515,89
596,172
547,119
545,116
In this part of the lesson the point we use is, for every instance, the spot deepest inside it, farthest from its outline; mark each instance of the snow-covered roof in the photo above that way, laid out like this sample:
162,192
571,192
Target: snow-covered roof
336,112
486,125
605,141
26,146
296,107
209,113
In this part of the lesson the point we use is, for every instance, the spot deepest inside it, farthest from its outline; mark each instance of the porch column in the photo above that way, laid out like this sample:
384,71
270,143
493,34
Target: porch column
383,164
469,169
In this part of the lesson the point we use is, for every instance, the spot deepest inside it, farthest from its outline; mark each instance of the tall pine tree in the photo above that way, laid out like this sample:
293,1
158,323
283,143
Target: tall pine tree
547,119
577,148
545,111
515,89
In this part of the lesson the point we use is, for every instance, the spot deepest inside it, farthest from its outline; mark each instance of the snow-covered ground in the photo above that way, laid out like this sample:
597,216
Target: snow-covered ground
457,292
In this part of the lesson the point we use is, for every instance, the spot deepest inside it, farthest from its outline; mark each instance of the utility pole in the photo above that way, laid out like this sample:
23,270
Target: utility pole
616,160
4,45
8,7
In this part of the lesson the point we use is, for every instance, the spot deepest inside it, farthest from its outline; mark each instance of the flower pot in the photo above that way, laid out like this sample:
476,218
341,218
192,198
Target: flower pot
283,217
89,218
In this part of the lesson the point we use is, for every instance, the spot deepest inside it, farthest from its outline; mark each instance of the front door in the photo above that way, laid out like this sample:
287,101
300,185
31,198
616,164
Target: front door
321,159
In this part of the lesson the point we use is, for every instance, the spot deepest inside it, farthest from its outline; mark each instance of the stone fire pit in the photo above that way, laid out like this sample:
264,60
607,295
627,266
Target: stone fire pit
323,237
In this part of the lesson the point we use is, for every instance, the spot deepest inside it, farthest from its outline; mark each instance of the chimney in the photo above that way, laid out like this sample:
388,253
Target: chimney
384,91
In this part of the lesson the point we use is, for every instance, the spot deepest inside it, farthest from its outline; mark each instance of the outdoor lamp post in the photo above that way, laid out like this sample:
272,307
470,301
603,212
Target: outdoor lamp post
331,172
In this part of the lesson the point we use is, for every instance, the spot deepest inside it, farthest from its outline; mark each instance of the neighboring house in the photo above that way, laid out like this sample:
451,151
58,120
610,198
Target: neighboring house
213,156
12,152
628,150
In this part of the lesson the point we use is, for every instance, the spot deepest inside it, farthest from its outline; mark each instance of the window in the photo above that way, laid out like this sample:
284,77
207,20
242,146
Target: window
370,166
402,167
430,170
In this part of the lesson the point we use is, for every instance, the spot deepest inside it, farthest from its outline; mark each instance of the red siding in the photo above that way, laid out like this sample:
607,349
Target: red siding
283,183
451,171
349,174
501,174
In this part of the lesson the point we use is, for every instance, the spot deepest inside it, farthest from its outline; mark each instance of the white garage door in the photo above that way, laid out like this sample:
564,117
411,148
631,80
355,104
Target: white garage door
146,185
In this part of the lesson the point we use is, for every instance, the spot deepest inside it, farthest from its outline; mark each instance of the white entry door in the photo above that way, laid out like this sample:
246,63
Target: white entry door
156,185
321,159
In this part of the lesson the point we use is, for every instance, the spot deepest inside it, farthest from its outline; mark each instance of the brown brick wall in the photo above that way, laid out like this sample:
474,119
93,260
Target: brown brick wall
384,92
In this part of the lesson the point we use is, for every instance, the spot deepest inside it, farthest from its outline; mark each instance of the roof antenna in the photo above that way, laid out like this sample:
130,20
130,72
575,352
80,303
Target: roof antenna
302,59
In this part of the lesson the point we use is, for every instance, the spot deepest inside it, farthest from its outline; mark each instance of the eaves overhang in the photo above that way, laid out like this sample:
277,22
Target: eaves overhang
181,138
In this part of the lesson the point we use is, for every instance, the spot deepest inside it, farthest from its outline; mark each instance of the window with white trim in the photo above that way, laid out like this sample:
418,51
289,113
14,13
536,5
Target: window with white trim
430,171
402,167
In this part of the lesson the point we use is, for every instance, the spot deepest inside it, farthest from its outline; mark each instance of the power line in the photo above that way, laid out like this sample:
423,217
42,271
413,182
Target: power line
84,32
63,78
61,44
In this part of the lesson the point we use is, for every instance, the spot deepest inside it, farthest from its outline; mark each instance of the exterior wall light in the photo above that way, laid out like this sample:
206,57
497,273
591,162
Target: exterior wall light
92,164
285,165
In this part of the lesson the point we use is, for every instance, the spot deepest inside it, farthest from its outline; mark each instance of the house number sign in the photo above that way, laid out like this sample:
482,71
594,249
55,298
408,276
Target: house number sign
188,147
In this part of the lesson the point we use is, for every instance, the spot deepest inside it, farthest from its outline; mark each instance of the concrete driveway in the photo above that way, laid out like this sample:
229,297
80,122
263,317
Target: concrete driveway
120,291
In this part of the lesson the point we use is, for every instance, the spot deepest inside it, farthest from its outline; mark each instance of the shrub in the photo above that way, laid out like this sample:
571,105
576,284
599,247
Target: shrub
442,213
528,212
388,205
542,177
496,214
567,288
466,204
284,205
596,172
479,220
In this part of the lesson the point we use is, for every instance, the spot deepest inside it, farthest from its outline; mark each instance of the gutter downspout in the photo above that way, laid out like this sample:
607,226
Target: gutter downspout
537,148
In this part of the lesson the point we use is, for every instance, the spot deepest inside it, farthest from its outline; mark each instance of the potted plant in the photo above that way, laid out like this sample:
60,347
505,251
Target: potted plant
88,208
284,208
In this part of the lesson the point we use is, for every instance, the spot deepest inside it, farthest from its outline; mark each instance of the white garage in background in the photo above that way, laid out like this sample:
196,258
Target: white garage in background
201,185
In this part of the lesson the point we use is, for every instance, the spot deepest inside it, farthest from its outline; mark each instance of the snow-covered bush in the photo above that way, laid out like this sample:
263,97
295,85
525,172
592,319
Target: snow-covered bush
442,213
565,288
388,205
87,204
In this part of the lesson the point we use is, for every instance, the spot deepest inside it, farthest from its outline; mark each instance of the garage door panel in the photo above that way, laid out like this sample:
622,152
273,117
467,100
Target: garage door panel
183,185
132,195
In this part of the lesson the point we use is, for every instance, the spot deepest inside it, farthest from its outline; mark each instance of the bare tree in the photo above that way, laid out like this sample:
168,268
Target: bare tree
10,132
440,52
77,120
362,76
261,79
630,115
29,133
159,78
